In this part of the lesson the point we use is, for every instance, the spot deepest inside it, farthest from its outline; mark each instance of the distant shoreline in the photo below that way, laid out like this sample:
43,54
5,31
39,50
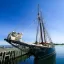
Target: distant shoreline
58,44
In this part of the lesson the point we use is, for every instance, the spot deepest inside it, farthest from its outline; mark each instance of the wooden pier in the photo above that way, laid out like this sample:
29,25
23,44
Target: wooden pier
11,53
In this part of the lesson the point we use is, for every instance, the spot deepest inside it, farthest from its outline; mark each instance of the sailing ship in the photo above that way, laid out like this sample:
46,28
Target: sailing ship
41,48
45,42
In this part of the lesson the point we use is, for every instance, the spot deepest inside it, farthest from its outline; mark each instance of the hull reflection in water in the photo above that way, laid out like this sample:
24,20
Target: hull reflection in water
27,59
47,60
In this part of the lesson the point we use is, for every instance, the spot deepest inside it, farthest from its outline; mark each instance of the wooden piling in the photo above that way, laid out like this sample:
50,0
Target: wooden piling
7,54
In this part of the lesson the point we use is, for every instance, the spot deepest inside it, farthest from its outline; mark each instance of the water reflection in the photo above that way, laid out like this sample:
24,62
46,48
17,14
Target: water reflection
47,60
34,60
27,59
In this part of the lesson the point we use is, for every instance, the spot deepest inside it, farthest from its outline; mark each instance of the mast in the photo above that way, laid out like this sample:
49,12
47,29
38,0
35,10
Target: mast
40,22
44,32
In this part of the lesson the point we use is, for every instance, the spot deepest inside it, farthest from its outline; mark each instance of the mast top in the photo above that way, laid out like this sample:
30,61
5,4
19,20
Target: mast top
38,13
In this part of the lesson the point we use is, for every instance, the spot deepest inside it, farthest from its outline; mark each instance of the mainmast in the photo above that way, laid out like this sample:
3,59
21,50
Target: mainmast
41,30
44,31
40,22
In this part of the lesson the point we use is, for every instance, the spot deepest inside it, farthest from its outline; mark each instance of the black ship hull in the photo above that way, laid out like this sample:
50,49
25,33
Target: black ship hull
44,52
38,51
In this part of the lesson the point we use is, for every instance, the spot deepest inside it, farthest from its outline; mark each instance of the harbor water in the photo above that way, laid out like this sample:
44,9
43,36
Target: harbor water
54,59
57,58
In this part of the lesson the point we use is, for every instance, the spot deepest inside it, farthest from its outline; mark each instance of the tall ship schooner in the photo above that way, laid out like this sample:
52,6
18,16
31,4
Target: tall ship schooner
43,46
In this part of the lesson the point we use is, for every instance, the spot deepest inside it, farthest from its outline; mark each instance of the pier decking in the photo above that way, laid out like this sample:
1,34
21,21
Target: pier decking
11,53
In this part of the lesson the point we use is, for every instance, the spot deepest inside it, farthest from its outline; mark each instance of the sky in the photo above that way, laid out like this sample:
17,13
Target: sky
21,16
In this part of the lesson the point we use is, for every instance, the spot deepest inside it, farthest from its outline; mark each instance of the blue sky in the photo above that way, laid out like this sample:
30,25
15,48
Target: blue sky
20,16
